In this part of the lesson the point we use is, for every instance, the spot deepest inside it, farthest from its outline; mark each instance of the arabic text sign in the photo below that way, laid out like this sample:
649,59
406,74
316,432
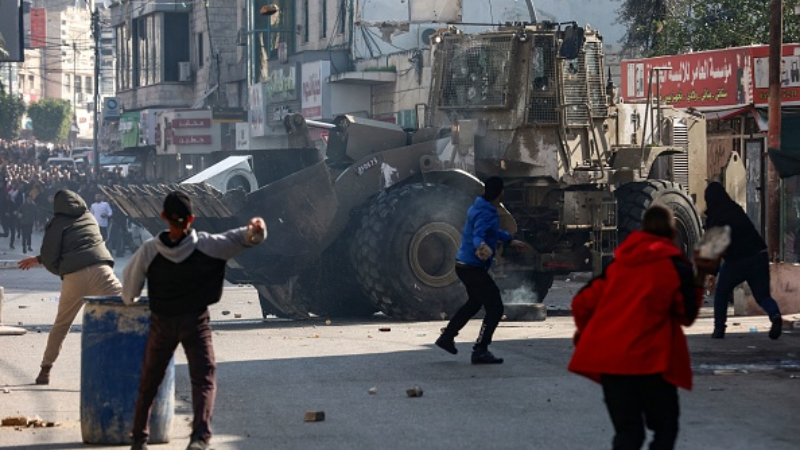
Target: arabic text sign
314,88
711,79
191,123
192,140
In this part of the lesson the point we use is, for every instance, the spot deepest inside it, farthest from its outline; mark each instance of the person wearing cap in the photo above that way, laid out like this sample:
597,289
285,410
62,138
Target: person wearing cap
73,249
473,261
184,270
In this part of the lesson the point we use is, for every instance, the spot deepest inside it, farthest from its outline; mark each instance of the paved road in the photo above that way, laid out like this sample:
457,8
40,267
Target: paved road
271,372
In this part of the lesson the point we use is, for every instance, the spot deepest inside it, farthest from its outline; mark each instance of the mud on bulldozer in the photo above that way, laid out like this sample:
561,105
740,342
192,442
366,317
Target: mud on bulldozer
373,223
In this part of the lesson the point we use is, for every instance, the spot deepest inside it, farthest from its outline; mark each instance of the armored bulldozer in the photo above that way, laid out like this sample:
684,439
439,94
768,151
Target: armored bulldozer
374,221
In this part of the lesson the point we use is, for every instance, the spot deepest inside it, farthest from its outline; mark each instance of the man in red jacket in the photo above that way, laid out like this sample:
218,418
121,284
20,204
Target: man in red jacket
629,335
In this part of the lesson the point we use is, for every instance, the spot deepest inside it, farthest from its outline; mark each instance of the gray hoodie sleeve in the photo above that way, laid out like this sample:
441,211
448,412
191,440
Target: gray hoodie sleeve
135,273
228,244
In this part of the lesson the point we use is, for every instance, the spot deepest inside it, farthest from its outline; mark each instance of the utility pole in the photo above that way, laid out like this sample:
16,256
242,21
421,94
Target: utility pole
75,81
96,35
771,183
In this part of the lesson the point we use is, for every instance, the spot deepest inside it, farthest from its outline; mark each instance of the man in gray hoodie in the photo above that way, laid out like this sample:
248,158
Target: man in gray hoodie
185,272
73,249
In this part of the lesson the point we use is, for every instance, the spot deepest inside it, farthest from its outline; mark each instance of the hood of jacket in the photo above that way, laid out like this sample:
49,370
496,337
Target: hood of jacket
484,205
69,203
176,252
716,197
644,248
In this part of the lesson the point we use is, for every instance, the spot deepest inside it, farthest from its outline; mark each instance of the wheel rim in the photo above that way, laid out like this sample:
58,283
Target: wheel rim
432,254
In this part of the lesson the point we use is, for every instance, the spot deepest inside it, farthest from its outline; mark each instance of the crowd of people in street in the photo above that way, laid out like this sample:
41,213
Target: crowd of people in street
27,187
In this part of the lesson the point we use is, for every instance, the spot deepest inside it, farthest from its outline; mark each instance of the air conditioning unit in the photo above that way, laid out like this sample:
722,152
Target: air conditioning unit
184,71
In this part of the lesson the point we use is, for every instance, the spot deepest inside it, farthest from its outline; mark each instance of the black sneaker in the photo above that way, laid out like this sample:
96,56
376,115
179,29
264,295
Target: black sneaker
718,333
447,344
485,357
776,328
139,446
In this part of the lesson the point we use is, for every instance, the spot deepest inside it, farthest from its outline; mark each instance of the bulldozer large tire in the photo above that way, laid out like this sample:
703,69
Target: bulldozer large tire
330,288
405,250
633,199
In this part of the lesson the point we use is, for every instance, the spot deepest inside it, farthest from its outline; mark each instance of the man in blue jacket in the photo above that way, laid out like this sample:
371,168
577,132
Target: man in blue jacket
474,259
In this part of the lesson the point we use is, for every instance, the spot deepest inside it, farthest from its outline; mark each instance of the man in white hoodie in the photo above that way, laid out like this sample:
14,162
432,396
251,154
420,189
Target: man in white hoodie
185,272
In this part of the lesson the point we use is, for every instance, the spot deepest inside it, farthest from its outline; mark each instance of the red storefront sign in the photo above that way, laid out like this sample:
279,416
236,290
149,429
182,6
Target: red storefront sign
38,27
191,123
703,80
192,140
790,75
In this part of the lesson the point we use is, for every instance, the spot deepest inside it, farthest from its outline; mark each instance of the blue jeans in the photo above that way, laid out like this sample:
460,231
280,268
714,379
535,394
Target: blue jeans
755,271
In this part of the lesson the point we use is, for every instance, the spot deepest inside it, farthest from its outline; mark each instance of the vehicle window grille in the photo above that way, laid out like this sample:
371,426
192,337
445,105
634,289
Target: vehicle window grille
543,103
595,75
576,92
476,71
680,161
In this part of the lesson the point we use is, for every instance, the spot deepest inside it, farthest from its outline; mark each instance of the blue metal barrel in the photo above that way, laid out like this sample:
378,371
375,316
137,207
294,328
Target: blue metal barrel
112,351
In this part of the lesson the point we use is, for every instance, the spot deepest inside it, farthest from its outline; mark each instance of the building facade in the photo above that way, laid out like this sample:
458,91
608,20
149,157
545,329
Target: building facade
171,58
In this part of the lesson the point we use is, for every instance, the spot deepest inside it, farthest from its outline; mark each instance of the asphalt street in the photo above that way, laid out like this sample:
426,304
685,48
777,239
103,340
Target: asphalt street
746,394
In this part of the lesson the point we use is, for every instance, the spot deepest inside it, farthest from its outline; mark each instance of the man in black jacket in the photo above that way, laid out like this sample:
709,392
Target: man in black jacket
184,271
745,259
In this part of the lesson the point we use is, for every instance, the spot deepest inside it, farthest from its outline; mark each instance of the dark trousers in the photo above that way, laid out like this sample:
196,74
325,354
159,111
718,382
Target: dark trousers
755,271
636,401
482,293
116,238
193,332
27,233
12,228
104,232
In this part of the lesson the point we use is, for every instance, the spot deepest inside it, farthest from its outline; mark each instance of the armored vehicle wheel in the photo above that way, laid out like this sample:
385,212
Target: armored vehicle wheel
405,250
277,300
634,198
330,288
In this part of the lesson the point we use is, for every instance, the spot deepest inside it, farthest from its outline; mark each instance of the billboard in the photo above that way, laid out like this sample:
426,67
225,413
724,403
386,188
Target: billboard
702,80
11,31
790,75
38,31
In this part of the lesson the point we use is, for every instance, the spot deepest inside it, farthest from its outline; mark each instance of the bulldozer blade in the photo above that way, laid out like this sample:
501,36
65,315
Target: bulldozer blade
298,210
143,204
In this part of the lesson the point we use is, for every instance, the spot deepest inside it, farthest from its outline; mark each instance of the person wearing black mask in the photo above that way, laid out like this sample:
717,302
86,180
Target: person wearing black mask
746,259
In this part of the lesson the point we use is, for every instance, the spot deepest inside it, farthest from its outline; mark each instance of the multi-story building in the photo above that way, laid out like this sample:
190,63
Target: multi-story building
329,57
175,64
59,59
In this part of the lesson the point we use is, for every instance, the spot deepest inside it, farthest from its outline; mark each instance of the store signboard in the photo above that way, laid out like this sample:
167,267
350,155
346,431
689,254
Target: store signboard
129,129
703,80
315,89
257,113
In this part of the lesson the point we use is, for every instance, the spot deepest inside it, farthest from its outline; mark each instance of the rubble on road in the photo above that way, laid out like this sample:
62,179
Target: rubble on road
29,422
315,416
416,391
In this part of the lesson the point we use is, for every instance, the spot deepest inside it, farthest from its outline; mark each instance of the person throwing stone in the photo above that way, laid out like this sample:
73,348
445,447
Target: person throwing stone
73,249
474,259
185,271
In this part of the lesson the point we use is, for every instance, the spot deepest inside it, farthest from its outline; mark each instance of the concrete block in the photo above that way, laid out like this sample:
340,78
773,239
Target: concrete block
785,289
